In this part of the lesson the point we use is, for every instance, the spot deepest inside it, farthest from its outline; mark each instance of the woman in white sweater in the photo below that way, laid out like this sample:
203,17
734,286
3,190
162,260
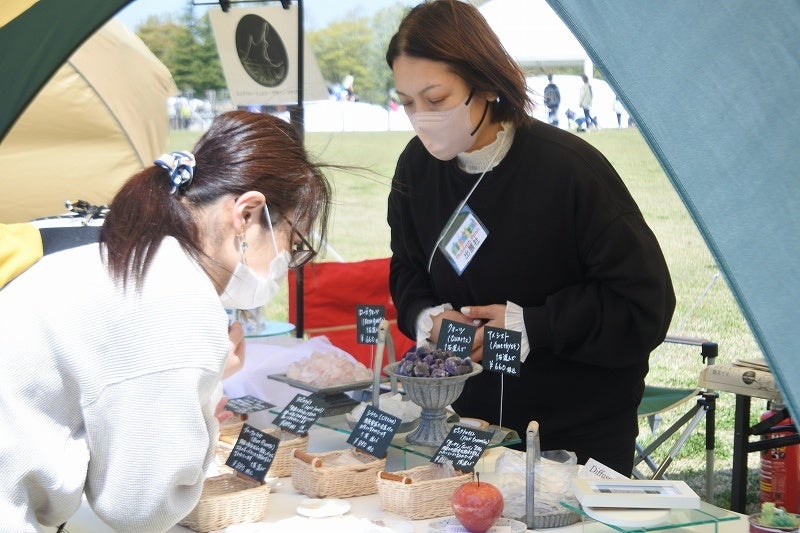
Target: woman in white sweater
113,353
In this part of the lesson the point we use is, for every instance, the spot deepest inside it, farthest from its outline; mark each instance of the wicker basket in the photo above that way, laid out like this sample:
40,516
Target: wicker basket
313,478
226,500
232,427
282,463
415,494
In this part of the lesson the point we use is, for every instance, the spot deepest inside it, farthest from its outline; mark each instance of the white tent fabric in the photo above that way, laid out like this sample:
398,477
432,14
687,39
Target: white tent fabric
106,105
713,87
534,36
330,116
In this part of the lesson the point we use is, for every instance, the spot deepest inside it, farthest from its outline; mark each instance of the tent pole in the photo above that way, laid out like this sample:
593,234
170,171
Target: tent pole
297,117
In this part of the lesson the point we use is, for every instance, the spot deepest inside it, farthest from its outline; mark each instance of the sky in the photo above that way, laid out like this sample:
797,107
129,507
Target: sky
318,13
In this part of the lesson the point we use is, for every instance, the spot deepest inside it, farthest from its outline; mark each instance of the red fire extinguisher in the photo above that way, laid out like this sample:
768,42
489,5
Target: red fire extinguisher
780,467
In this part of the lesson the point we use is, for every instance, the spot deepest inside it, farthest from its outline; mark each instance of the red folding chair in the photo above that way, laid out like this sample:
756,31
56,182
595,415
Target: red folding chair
331,292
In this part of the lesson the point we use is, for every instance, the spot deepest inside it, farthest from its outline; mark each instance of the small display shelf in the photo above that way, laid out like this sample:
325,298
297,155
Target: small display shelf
501,436
270,329
334,399
678,518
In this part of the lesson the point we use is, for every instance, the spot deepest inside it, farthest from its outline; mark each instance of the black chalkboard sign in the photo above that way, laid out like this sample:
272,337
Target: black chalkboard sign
374,432
300,414
247,404
368,318
463,446
501,350
253,453
456,337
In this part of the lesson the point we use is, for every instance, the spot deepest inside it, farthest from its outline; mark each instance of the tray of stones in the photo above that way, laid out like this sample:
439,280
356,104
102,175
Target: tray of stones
325,391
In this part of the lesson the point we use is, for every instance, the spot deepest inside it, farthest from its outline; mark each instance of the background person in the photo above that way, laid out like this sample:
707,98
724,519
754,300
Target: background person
114,352
347,84
560,252
618,111
585,102
552,99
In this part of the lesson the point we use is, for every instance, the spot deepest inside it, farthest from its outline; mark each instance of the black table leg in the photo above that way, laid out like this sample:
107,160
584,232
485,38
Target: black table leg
741,436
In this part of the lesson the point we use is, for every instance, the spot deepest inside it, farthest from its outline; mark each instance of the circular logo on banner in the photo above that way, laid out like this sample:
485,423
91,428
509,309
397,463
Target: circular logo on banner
261,51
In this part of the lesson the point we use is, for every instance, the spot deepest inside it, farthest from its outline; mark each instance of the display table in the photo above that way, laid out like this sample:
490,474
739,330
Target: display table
283,501
745,382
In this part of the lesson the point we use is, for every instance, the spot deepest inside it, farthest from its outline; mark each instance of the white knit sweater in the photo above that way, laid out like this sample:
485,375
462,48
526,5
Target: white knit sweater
107,392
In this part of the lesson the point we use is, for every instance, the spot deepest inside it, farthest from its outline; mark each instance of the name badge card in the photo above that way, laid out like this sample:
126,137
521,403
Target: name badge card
501,350
456,337
247,404
463,446
368,318
464,237
253,453
374,432
300,414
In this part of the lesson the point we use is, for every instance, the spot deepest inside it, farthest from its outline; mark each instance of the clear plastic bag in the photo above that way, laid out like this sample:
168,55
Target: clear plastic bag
552,475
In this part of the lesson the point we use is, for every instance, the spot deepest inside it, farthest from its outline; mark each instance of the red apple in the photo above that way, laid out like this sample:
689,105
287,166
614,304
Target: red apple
477,505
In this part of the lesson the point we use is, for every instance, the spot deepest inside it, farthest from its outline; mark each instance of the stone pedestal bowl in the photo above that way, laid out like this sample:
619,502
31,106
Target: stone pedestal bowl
432,395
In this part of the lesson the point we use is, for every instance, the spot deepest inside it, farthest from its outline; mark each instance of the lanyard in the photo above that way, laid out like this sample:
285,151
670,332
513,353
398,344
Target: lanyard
459,207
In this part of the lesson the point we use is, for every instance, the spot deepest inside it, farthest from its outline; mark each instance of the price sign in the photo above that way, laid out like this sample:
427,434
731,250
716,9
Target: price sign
247,404
374,432
463,446
253,453
300,414
368,318
501,350
456,337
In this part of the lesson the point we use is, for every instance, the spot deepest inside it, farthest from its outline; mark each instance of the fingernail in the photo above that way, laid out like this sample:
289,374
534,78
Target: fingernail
465,311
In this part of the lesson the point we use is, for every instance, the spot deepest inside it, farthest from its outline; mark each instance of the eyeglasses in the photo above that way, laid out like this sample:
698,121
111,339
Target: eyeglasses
302,252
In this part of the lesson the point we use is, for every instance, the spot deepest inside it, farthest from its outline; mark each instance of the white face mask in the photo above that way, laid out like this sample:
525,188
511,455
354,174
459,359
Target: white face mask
446,134
248,290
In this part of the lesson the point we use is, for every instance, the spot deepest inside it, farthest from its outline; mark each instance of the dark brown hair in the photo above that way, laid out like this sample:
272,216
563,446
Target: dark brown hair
240,152
456,33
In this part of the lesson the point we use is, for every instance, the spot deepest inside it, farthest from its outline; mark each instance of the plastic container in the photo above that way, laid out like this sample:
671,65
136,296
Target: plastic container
779,478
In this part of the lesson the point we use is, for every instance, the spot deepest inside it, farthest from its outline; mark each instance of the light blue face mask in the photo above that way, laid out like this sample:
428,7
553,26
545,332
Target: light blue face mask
247,289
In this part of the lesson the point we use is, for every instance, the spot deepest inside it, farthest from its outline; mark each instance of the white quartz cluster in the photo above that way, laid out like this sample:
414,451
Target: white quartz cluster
328,369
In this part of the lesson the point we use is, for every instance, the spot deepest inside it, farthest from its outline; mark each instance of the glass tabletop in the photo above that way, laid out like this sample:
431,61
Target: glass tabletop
500,436
678,518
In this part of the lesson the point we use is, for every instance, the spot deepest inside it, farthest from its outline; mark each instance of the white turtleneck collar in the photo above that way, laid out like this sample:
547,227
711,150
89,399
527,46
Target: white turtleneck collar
479,160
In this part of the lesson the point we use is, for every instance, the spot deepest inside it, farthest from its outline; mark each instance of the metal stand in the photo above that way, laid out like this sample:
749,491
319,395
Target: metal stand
532,453
384,340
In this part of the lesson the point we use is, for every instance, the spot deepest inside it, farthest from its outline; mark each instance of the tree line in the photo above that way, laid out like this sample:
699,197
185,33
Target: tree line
353,45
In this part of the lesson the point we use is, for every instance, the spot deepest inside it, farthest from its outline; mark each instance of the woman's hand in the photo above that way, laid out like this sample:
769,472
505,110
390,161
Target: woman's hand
479,316
451,315
486,315
235,360
220,412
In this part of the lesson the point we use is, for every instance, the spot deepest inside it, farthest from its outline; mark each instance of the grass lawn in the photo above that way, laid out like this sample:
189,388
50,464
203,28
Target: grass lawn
705,306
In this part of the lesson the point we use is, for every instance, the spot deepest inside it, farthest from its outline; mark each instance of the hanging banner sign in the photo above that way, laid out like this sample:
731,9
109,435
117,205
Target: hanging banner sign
258,51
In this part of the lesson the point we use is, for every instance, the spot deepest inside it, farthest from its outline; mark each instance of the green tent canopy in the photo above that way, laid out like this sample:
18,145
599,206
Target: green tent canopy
713,87
36,37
